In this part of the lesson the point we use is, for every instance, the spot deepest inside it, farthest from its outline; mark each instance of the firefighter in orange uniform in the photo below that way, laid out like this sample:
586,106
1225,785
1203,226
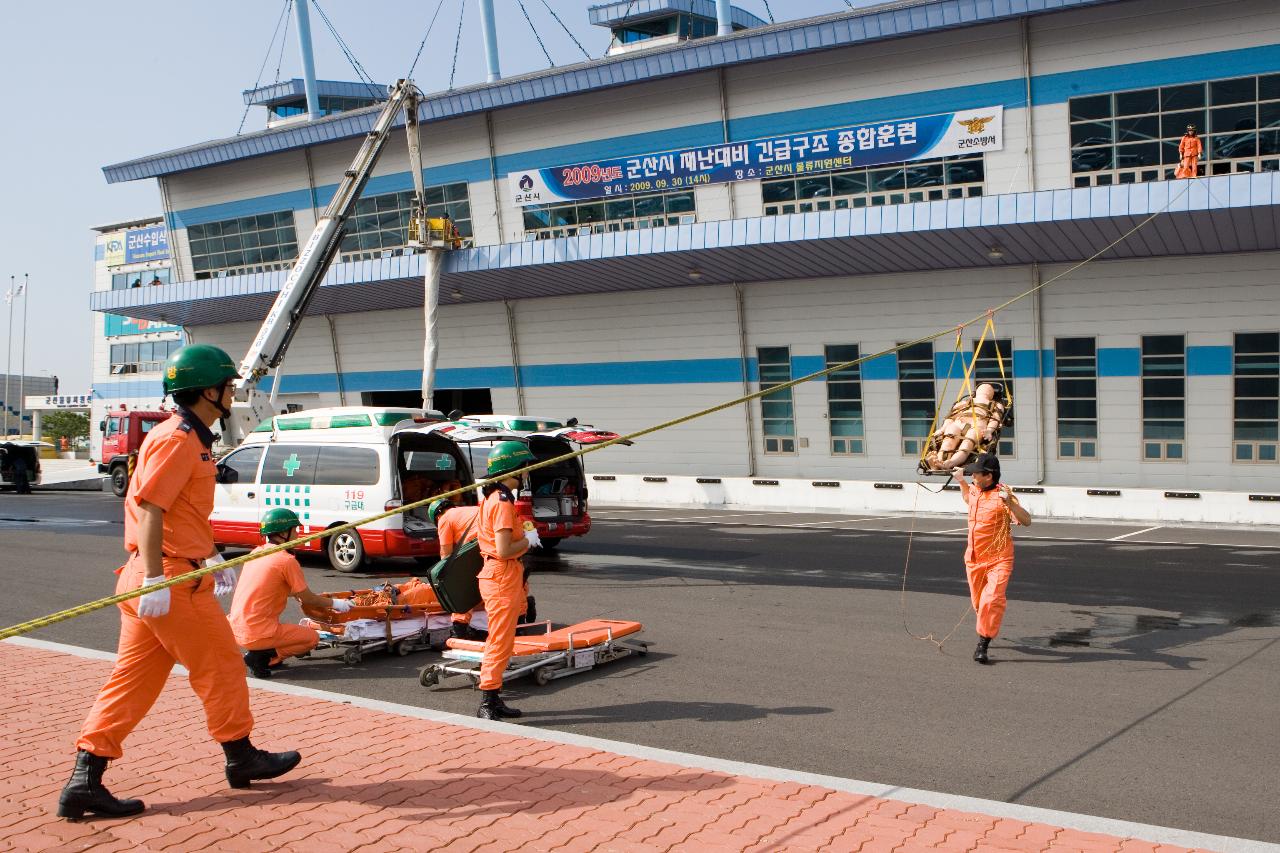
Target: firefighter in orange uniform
503,541
265,586
988,557
1189,150
167,533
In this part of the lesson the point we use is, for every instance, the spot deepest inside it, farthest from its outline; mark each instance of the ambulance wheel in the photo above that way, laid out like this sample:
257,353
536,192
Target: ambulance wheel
429,677
346,551
119,480
542,675
551,544
351,657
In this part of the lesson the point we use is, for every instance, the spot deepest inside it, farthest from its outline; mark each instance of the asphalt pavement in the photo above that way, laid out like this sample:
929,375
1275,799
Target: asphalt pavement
1136,677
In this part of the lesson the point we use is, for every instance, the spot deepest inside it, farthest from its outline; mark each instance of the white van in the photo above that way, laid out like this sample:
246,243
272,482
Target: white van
330,466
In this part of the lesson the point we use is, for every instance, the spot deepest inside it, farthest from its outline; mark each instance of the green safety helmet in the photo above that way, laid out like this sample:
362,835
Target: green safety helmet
279,520
437,507
198,366
508,456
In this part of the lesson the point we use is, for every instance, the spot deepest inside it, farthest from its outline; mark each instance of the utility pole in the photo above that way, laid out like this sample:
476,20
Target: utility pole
22,371
8,346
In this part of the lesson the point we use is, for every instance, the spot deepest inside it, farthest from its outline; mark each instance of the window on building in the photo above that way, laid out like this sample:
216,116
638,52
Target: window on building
1132,137
844,401
777,411
1256,433
1076,366
141,357
919,180
245,245
598,216
994,363
1164,397
917,401
381,222
140,278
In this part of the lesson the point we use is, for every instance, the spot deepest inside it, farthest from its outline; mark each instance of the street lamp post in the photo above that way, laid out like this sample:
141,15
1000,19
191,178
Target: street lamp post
8,347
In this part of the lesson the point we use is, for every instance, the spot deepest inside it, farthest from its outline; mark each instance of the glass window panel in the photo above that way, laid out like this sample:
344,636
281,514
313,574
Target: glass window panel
1138,129
1137,156
347,466
1269,87
564,215
292,464
1249,410
1092,159
1236,91
1163,409
535,218
774,191
213,229
1257,342
849,183
924,175
619,209
845,408
1137,103
590,212
1256,432
1077,429
1268,144
1163,387
965,171
1078,409
649,206
1182,97
244,463
1067,347
1163,430
1174,125
680,203
813,187
887,179
1093,107
1235,145
1268,386
1162,345
847,428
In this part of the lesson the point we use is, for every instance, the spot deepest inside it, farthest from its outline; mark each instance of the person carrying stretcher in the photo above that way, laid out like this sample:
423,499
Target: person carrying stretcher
265,586
503,541
988,556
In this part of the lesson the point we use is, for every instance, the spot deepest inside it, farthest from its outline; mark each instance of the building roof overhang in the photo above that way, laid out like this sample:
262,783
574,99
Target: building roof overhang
790,38
1237,213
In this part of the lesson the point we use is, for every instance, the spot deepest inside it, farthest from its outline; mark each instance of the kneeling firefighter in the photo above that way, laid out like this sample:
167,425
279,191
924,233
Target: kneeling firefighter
265,587
502,578
167,533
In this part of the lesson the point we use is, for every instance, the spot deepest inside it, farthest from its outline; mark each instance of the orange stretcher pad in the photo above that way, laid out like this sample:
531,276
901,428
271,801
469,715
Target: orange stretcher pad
583,635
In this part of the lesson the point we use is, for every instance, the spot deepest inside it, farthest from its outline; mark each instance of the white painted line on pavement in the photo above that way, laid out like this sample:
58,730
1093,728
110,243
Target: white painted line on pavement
936,799
1135,533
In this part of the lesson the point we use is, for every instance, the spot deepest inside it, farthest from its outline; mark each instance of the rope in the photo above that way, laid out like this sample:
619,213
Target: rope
902,596
70,613
536,35
769,12
566,29
284,40
266,57
364,76
457,41
423,43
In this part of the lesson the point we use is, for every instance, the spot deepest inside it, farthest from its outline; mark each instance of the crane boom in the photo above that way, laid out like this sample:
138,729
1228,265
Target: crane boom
282,321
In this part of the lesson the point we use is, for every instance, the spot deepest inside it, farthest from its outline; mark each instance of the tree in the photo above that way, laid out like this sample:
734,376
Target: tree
68,425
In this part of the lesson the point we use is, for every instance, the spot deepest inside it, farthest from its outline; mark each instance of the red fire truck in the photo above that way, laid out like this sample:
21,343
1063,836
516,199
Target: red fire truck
122,433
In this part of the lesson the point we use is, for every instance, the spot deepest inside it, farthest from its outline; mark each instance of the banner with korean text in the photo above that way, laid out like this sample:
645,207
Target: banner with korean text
873,144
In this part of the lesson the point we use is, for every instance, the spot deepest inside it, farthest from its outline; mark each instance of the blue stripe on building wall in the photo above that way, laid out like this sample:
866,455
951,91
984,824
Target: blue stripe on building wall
881,367
1046,89
1119,361
1209,361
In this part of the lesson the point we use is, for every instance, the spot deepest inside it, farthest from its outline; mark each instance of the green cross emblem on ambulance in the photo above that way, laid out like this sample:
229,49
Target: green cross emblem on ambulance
291,465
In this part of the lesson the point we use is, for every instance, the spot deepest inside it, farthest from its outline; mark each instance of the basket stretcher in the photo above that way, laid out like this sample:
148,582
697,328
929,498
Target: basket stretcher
546,656
399,628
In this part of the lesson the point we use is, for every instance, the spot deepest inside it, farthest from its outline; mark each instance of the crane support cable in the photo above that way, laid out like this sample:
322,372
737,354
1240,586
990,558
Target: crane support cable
284,13
90,607
550,62
457,42
423,43
349,54
568,31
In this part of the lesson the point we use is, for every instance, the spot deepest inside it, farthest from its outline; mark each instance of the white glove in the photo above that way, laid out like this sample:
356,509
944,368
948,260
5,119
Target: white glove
531,536
342,605
154,603
224,580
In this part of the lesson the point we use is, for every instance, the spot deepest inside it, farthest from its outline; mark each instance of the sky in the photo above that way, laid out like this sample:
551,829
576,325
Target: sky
91,84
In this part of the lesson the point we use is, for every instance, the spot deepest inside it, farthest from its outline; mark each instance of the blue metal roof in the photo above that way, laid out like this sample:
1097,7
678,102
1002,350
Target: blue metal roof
791,38
290,90
626,11
1235,213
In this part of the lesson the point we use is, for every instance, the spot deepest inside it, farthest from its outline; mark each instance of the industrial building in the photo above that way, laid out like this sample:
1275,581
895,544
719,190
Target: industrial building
678,222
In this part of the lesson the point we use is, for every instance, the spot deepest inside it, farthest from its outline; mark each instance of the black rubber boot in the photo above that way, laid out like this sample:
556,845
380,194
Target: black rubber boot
460,631
531,614
493,708
245,762
259,662
980,653
85,793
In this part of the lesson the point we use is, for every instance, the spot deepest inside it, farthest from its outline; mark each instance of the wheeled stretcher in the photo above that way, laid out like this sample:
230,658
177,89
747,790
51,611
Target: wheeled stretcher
548,655
419,622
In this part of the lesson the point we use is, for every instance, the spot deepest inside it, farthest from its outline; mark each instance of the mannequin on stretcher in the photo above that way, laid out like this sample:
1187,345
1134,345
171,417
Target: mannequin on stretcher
972,426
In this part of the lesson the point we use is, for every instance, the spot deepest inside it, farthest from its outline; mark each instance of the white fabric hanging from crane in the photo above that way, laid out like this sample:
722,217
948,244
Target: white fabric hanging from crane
430,311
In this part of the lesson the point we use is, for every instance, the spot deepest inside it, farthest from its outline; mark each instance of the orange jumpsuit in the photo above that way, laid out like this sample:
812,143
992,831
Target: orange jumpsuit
175,471
261,593
1189,149
450,530
501,588
988,557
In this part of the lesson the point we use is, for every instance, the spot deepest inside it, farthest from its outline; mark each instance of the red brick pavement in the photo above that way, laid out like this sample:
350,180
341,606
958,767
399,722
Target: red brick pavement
372,780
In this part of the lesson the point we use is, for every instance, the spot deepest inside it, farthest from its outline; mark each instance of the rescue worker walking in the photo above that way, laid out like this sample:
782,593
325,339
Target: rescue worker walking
455,526
502,578
265,587
167,533
988,555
